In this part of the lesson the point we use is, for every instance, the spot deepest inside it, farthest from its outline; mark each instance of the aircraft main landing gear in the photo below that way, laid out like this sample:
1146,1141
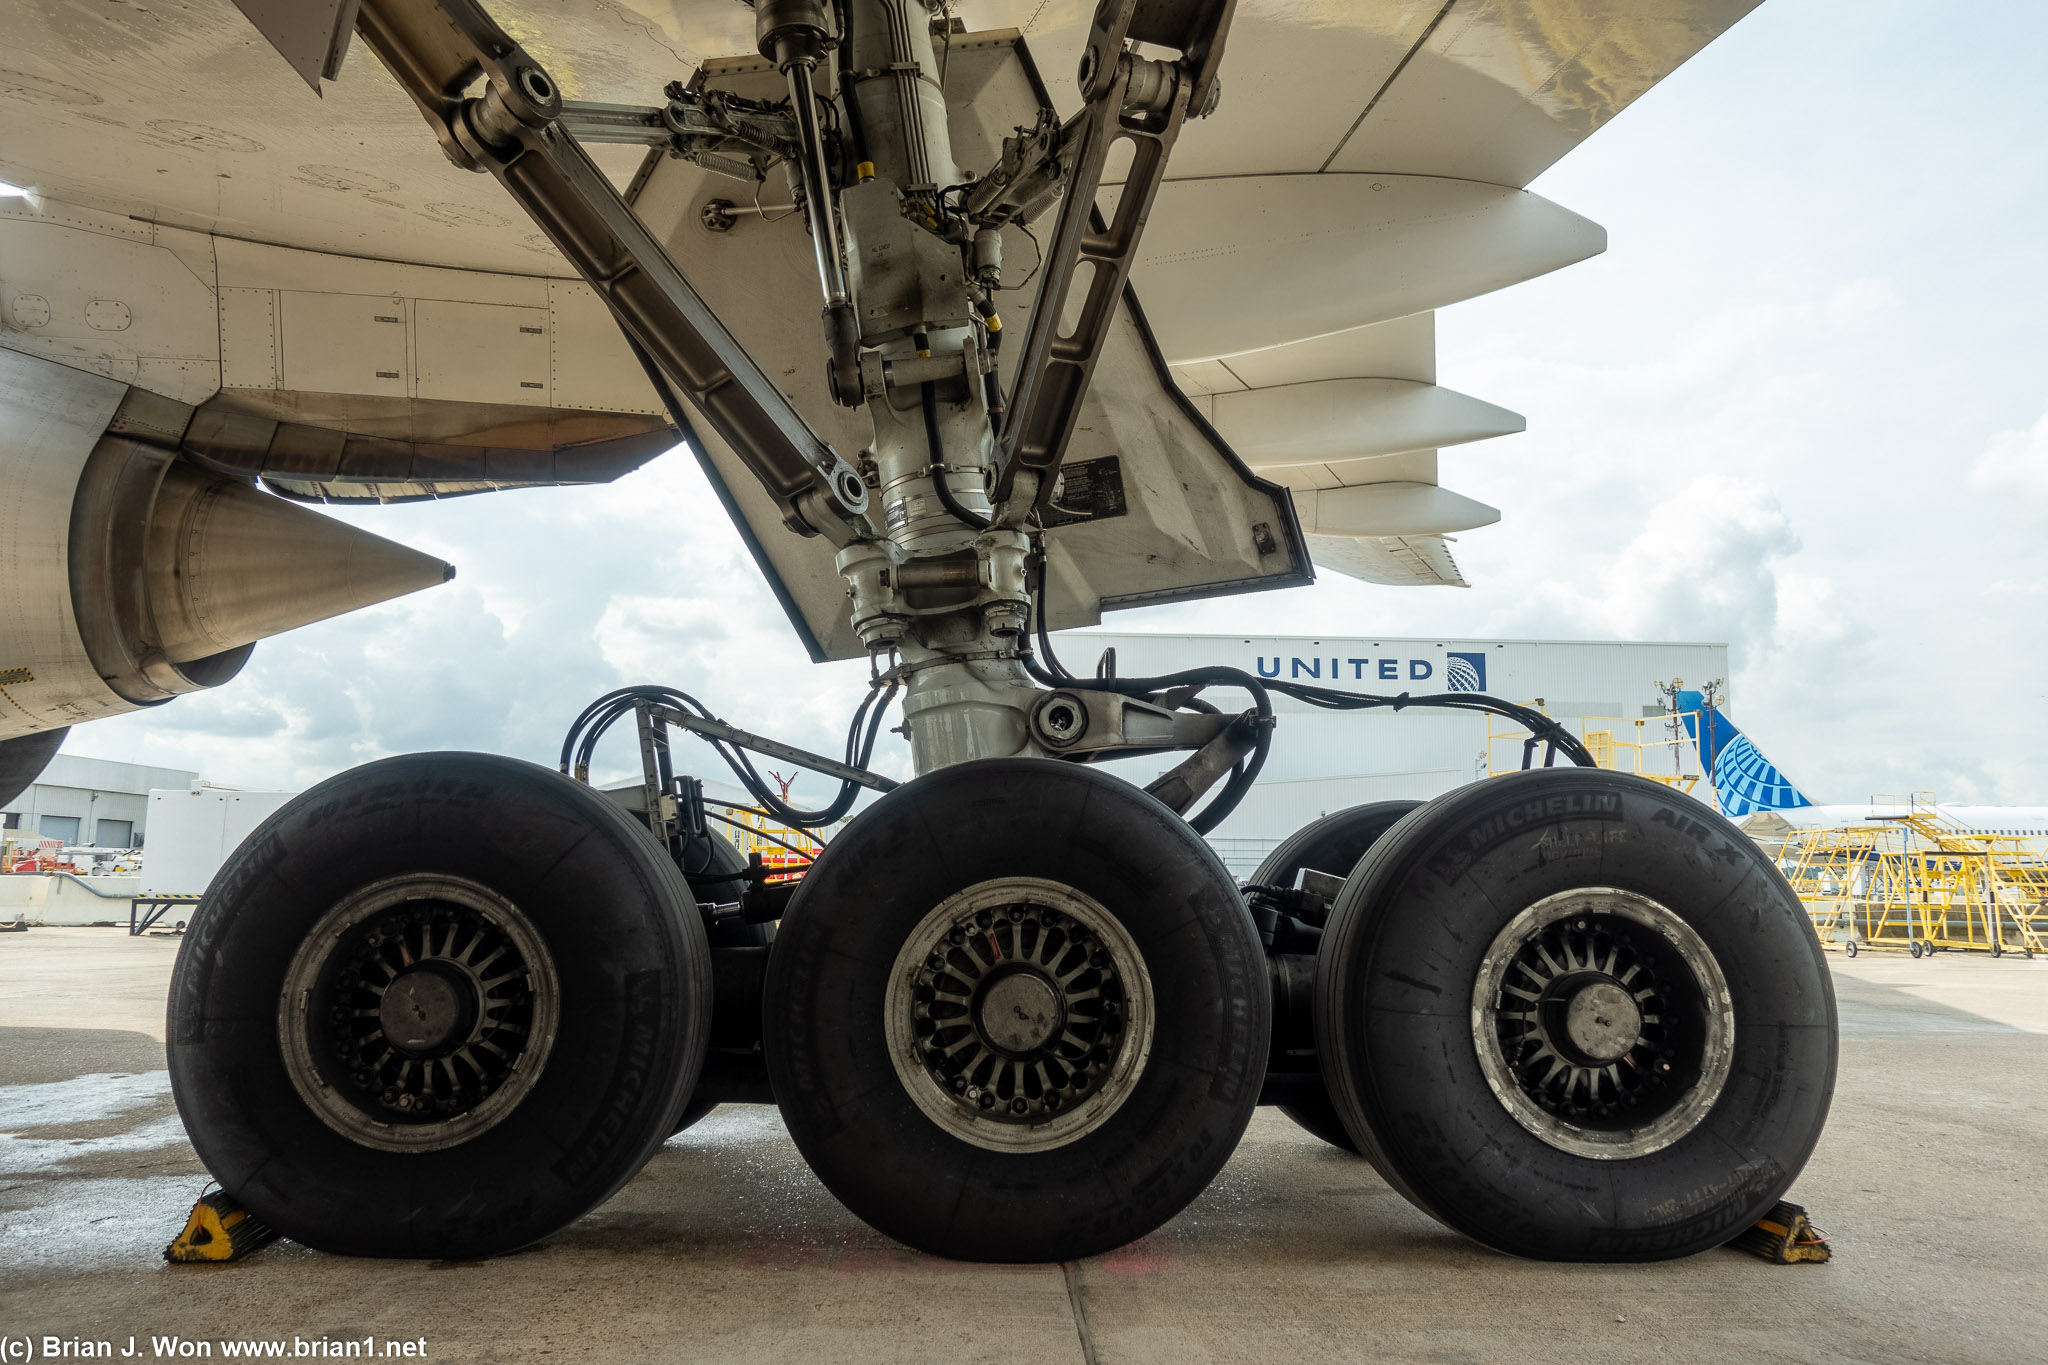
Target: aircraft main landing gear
1016,1010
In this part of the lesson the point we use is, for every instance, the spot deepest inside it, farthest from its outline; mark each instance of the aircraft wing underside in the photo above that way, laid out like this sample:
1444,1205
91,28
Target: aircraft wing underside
330,307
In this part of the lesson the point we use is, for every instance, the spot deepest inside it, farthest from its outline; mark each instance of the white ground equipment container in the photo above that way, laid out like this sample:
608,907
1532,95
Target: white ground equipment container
192,832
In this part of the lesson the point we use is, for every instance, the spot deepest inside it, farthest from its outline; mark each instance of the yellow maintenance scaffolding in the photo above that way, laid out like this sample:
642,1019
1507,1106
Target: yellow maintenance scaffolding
1656,747
1906,880
1910,881
782,848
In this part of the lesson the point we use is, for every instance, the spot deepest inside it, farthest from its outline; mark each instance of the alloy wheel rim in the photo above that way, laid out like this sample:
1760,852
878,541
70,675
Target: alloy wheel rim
1603,1023
1019,1015
418,1013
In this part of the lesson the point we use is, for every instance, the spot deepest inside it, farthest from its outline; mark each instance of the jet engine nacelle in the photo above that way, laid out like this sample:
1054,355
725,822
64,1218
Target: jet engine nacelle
130,574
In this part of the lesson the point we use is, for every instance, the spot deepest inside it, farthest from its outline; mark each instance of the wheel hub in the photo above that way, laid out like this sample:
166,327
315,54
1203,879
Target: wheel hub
1603,1023
421,1010
418,1013
1019,1014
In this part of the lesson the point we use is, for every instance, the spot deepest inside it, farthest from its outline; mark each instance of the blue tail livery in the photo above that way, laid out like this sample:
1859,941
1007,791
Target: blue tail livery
1744,780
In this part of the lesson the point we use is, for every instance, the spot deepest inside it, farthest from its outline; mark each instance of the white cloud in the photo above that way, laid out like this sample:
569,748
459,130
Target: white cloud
2016,463
1704,567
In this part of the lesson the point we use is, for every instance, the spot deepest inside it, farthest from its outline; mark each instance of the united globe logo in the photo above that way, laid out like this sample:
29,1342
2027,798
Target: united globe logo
1464,672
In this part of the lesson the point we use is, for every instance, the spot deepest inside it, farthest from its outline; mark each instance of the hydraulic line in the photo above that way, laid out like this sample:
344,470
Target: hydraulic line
1260,716
856,122
991,382
793,35
1542,729
907,73
581,741
927,395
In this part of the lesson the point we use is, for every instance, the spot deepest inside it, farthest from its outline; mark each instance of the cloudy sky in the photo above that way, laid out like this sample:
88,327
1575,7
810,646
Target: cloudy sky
1800,406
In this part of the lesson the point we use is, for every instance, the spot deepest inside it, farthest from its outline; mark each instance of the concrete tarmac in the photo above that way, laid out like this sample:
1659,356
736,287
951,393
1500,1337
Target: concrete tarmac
727,1249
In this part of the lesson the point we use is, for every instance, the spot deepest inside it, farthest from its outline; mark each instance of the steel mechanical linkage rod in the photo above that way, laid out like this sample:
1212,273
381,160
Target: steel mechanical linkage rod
436,49
793,36
718,729
1146,102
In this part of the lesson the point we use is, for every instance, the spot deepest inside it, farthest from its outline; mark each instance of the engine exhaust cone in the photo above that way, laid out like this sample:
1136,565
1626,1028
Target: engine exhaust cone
228,565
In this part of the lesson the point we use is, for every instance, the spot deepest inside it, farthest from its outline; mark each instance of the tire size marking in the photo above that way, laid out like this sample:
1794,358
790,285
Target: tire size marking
632,1078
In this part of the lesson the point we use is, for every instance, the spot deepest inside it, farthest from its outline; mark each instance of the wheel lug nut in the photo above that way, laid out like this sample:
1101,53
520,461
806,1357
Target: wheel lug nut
1019,1105
987,1101
959,1085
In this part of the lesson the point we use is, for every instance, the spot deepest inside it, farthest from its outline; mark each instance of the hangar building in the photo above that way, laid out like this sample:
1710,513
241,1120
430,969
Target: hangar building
94,802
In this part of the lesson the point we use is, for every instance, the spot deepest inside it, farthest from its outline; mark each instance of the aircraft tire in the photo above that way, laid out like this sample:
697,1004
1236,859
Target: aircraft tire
692,1112
509,929
1576,887
1332,844
1025,918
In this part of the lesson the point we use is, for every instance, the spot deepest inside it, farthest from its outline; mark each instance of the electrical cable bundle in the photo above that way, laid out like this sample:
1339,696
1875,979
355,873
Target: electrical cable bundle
607,710
1551,734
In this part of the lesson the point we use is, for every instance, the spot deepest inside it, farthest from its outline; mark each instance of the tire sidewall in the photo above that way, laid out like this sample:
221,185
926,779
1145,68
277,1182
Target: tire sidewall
1395,984
1339,839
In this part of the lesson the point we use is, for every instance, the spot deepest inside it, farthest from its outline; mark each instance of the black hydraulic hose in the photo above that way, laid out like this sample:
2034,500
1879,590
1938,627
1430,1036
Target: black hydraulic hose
928,397
1542,729
991,382
607,710
1242,776
1054,670
1236,789
856,122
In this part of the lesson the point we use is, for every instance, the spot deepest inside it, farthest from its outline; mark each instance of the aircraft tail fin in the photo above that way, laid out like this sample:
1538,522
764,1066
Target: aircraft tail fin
1744,780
